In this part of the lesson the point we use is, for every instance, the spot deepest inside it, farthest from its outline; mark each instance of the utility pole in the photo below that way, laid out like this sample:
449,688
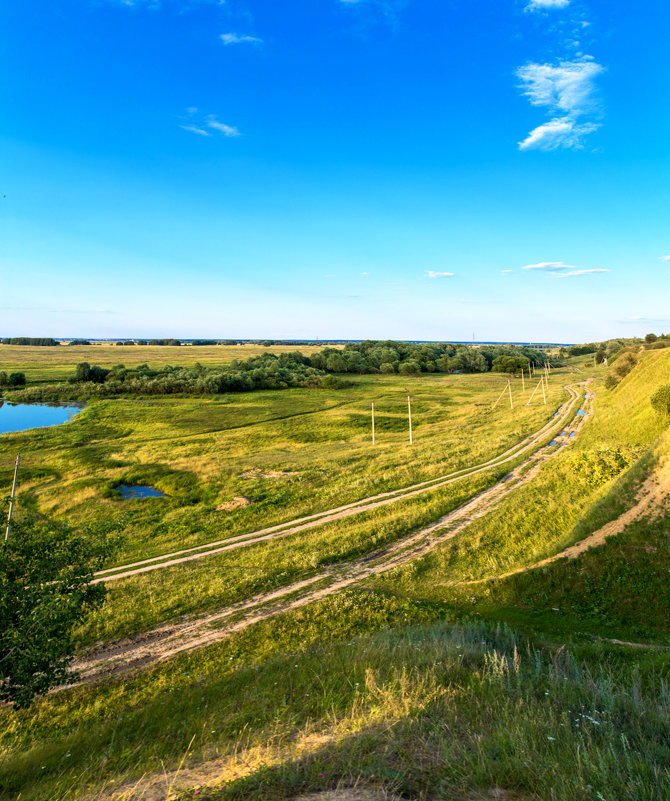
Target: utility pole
509,386
409,410
544,394
523,381
11,500
373,424
533,393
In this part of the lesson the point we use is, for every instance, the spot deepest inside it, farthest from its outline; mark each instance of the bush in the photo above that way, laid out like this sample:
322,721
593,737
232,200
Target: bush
660,400
598,467
624,365
17,380
611,381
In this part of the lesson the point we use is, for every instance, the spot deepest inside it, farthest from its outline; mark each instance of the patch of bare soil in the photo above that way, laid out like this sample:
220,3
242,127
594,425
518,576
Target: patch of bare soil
238,502
351,794
257,472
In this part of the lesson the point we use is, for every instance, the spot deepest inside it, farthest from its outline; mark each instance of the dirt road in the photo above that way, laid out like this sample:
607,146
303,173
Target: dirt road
166,641
340,512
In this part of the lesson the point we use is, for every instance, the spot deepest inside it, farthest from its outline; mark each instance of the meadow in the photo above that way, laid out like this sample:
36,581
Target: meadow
48,364
413,680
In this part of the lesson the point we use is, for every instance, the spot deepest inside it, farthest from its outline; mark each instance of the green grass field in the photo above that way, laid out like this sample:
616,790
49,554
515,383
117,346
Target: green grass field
48,364
412,681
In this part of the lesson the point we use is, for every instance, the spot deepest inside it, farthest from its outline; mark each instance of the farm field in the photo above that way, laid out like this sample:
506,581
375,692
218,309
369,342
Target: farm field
47,364
324,688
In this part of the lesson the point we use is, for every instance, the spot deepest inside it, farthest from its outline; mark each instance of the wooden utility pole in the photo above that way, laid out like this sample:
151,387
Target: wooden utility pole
523,381
498,399
11,500
409,411
373,424
509,386
533,394
544,394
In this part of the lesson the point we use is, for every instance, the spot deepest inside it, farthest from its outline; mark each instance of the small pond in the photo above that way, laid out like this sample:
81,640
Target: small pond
24,416
138,491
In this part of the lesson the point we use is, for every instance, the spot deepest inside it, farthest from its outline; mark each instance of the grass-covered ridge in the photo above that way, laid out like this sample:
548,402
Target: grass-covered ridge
418,681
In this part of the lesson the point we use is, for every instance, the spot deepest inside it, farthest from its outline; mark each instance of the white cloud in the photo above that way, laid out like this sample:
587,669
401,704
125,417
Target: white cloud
226,130
561,270
433,274
558,133
580,272
194,129
552,266
506,271
567,89
210,124
665,258
236,38
540,5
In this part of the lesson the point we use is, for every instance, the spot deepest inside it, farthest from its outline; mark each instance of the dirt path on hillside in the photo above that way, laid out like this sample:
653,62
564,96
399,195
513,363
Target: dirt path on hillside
652,498
347,510
160,644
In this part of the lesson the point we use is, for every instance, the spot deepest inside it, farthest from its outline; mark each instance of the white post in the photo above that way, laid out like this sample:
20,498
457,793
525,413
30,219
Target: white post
11,500
409,410
509,386
373,424
544,394
523,381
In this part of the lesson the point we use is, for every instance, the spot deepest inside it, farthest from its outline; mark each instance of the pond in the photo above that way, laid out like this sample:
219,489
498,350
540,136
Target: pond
138,491
24,416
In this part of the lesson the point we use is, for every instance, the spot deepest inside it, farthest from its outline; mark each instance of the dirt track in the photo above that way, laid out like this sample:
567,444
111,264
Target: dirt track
652,497
339,512
167,641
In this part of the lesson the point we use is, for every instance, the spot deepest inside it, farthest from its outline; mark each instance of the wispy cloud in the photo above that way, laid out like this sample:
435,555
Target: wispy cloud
237,38
552,266
567,89
506,271
542,5
226,130
581,272
665,258
194,129
211,123
433,274
562,270
559,133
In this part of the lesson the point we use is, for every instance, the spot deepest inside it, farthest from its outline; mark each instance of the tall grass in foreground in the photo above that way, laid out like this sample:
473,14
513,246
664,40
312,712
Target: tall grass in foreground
440,712
433,710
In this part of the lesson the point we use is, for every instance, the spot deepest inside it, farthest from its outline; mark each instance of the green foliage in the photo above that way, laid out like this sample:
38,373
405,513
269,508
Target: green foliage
610,381
510,364
79,342
624,365
597,467
45,591
660,400
42,341
650,338
16,379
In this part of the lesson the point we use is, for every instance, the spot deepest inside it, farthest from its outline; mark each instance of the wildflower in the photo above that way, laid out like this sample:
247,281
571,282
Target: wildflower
551,738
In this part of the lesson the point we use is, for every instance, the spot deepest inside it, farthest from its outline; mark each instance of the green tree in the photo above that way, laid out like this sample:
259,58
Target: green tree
46,571
650,338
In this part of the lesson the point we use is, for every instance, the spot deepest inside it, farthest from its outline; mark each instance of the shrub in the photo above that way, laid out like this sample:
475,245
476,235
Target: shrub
598,467
660,400
17,379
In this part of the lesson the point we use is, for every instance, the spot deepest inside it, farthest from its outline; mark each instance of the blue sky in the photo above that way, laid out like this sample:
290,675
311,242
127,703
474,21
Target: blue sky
416,169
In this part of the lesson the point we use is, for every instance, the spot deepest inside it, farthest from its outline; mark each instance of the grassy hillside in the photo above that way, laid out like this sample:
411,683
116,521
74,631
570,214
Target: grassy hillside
416,681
